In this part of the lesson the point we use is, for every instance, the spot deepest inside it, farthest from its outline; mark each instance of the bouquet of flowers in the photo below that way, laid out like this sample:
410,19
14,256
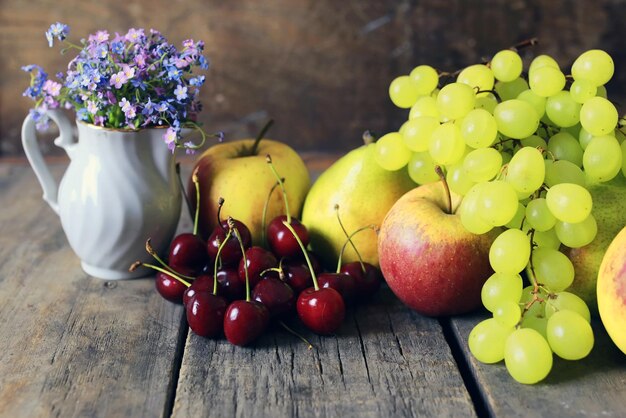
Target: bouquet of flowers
128,82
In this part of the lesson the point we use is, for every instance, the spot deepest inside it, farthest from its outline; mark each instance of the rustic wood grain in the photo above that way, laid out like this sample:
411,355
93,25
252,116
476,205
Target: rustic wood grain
72,345
321,68
385,361
592,387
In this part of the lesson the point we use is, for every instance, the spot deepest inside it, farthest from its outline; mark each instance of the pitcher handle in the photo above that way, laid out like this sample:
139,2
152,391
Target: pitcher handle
65,140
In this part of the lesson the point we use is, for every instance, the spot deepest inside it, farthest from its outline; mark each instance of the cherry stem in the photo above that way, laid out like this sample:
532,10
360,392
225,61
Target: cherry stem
349,237
157,268
282,185
231,225
220,203
306,254
343,248
282,324
217,260
265,207
260,136
442,177
150,250
194,178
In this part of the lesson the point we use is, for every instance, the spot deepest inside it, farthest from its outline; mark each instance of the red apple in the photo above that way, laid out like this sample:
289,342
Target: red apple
430,261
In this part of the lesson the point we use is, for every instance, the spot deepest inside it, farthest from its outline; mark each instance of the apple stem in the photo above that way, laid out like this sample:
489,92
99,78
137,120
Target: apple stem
282,185
349,237
369,137
217,260
137,264
265,207
343,248
150,250
231,225
442,177
220,203
260,136
194,178
306,254
182,190
282,324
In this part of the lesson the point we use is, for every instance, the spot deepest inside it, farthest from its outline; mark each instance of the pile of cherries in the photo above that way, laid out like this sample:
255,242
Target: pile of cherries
229,286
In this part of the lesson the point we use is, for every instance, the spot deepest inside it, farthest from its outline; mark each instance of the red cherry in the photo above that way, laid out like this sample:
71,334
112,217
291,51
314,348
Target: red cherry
368,282
231,253
258,260
232,287
282,242
276,295
205,313
188,254
245,321
203,283
342,283
322,311
170,288
297,276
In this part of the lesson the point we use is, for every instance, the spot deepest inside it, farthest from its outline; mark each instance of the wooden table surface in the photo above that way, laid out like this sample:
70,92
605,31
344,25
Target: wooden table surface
75,346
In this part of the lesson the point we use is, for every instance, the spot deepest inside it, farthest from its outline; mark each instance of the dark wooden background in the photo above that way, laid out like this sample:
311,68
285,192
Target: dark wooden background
321,68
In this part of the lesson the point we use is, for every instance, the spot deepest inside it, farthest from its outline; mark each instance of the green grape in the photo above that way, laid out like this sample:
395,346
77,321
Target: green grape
546,81
570,336
403,92
469,211
538,215
486,341
418,131
563,171
537,322
527,356
602,159
455,100
543,61
446,144
547,239
552,268
499,288
579,234
482,164
422,168
526,170
506,65
598,116
498,202
537,102
601,92
573,130
534,141
564,146
390,152
516,118
510,252
562,109
479,76
518,218
619,135
512,89
486,101
595,66
508,313
479,128
425,79
569,202
425,106
584,138
623,148
458,180
582,90
567,301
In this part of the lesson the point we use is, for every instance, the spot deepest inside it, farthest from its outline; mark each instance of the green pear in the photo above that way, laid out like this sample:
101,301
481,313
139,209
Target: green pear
364,192
609,209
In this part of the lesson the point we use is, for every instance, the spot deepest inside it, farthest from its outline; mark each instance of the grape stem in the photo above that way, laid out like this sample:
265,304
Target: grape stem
442,177
524,44
369,137
495,93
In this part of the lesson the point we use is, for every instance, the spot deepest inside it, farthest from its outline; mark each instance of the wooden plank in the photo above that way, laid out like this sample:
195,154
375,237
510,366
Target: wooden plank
592,387
385,361
72,345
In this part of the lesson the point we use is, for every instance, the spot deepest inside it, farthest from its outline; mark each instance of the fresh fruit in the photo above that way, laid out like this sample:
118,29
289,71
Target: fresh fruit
342,283
276,295
611,290
245,321
205,313
258,260
170,288
231,252
430,261
349,182
237,171
367,278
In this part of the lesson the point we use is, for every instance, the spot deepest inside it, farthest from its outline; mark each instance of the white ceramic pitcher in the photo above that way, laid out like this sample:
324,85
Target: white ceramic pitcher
119,189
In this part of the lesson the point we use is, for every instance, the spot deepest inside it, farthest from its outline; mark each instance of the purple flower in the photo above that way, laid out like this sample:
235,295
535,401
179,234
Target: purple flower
92,107
170,137
134,35
98,120
56,30
173,73
180,92
117,48
127,108
196,81
99,37
118,80
189,148
148,108
128,71
162,107
52,88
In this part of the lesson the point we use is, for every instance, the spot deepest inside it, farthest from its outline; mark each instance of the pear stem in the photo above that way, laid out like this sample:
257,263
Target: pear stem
259,137
231,225
349,239
442,177
153,253
160,269
217,260
282,185
343,248
306,254
194,178
265,207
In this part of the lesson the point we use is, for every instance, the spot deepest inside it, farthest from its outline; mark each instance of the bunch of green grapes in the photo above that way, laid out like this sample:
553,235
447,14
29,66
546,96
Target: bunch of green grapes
522,149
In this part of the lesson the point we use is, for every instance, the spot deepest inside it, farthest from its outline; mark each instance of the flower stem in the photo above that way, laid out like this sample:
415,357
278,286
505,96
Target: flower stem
306,254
